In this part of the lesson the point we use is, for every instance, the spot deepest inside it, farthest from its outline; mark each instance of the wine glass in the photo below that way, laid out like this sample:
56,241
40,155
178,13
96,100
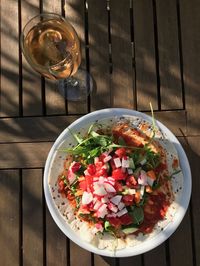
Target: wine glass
51,46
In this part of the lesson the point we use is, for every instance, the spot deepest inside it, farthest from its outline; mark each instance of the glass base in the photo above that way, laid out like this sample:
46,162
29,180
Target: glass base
76,87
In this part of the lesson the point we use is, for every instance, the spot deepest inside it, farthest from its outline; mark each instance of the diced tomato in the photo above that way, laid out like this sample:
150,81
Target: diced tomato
91,169
114,221
121,152
89,182
118,186
98,165
126,219
128,200
118,174
75,167
131,181
83,185
61,185
102,157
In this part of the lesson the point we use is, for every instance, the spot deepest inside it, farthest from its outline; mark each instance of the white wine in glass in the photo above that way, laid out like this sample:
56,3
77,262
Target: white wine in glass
51,46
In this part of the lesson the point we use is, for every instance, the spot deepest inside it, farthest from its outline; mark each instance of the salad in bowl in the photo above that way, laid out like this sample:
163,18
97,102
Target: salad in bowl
115,182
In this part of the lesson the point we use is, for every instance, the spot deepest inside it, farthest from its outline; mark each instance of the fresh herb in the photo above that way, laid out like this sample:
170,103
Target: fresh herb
173,174
138,215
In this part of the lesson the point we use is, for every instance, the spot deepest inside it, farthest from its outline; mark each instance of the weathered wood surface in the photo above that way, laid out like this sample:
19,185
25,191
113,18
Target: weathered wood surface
137,52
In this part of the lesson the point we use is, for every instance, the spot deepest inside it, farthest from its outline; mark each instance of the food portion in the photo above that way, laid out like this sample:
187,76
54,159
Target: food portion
117,181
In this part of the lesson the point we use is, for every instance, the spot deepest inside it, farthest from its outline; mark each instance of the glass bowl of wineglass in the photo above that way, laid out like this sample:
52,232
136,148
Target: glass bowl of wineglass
51,46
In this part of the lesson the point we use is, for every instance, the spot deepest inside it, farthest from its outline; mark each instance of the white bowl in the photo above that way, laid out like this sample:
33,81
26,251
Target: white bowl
54,165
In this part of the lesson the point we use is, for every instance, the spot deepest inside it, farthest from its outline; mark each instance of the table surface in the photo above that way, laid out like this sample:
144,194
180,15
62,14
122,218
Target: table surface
137,51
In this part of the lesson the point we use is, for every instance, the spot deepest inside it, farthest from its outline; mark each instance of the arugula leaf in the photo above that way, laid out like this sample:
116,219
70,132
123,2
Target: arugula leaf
137,214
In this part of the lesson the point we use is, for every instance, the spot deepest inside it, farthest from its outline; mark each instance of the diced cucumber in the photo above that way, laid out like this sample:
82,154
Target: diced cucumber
130,230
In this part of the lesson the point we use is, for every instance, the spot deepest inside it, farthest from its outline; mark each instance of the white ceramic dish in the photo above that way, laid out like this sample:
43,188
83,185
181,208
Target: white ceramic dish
54,165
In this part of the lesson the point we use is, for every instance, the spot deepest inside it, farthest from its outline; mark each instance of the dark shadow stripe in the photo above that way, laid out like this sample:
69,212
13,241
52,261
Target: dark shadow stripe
68,252
87,52
20,219
167,253
44,223
133,55
20,61
192,234
180,51
156,53
109,39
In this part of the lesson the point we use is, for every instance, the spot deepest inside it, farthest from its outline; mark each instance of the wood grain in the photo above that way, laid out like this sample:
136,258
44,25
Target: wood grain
99,53
129,261
144,43
158,254
181,256
31,129
75,13
56,244
9,93
79,255
122,71
169,55
9,213
24,155
32,217
190,21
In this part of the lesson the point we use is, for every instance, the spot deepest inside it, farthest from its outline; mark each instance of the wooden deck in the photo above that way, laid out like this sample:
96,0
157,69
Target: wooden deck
137,51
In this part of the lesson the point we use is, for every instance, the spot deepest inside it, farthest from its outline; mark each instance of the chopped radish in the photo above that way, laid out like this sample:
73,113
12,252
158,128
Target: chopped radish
100,191
71,176
125,162
97,205
86,172
112,207
121,206
107,158
122,212
87,197
142,180
117,162
102,211
116,199
99,227
104,200
109,188
130,171
101,180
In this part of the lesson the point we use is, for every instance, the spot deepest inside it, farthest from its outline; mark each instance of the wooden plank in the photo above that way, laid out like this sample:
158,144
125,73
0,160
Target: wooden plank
192,148
56,244
103,261
79,255
74,12
30,129
9,94
9,213
181,256
122,72
146,79
99,53
31,81
158,254
55,103
176,121
190,21
32,217
130,261
24,155
169,57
